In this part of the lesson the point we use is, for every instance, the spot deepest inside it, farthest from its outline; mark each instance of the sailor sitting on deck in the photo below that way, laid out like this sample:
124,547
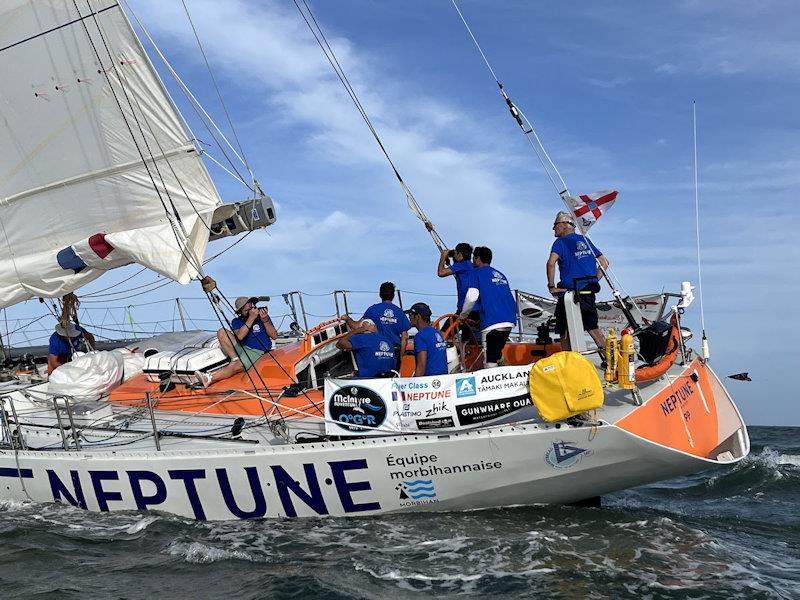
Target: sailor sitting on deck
389,319
430,349
374,352
251,337
65,342
498,310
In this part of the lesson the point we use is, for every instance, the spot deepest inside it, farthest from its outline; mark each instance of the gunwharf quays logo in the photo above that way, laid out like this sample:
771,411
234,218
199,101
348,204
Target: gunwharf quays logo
357,408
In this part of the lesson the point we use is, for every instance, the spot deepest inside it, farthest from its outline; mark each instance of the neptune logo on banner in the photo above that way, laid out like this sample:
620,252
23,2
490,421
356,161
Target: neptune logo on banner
359,407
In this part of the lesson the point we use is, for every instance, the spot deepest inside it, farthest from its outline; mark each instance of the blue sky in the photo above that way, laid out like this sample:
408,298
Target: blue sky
609,88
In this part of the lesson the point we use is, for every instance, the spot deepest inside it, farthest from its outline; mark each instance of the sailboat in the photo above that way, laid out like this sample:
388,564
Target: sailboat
93,146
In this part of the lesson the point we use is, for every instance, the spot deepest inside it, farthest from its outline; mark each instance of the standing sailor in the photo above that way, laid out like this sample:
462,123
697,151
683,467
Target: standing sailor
498,310
389,319
578,259
67,340
461,269
430,349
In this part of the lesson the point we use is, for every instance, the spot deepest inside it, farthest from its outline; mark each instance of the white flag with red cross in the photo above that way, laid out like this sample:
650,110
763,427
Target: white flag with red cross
588,208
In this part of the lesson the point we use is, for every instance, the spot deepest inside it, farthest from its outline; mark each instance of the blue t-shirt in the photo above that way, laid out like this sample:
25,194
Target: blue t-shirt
389,319
430,340
374,354
60,346
257,338
497,301
575,259
462,270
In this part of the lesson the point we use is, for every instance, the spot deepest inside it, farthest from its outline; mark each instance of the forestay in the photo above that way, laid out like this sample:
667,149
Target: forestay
97,170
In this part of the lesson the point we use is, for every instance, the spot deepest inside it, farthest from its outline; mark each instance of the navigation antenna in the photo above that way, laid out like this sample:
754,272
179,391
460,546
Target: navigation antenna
697,234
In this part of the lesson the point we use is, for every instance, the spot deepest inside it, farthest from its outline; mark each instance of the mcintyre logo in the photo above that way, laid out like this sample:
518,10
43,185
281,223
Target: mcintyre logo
357,408
563,455
465,386
416,491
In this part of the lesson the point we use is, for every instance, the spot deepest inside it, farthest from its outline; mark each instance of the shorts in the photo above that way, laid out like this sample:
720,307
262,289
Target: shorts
247,355
495,342
588,313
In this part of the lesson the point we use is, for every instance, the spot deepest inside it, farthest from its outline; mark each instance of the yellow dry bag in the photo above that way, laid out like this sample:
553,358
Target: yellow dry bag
565,384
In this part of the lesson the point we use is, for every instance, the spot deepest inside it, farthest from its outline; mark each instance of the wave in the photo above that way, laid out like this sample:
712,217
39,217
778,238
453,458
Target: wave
418,496
419,482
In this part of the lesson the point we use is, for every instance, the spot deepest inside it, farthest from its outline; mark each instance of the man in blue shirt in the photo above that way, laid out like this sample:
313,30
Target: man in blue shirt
389,319
374,352
577,259
498,309
430,349
65,342
251,336
461,269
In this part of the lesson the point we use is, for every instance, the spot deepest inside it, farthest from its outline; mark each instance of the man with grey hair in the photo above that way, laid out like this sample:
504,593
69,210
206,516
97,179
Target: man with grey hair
580,265
374,352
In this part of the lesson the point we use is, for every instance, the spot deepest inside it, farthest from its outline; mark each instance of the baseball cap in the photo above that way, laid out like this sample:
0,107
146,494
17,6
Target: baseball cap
421,309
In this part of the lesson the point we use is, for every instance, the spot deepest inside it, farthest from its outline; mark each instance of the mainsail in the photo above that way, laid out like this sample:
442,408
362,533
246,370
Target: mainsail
97,169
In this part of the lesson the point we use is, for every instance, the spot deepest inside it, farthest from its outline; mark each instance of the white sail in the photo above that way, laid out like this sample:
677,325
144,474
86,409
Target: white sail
96,166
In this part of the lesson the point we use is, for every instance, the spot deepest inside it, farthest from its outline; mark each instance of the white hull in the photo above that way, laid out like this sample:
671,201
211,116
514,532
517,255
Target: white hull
503,465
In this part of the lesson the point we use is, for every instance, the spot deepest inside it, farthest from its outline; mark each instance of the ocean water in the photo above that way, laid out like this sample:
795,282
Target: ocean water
726,533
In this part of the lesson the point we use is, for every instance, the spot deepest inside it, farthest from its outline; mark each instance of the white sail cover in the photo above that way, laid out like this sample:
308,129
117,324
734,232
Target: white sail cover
86,128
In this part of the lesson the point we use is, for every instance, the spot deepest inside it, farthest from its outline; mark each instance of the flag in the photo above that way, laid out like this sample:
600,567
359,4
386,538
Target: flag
90,252
590,207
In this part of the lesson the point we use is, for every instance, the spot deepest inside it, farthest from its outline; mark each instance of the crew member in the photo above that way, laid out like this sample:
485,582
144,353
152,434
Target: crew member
498,310
65,342
580,266
461,269
374,352
251,336
430,349
389,319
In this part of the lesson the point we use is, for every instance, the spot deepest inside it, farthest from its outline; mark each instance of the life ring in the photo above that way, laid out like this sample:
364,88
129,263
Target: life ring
650,372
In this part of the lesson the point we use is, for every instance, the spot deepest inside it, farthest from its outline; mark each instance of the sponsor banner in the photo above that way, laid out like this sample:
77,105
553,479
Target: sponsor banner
381,406
360,407
534,310
448,401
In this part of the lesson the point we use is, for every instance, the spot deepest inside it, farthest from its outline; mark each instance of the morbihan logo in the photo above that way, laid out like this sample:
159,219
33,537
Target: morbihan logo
465,386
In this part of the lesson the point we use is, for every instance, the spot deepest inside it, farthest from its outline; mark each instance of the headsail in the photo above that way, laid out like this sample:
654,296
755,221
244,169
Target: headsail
91,150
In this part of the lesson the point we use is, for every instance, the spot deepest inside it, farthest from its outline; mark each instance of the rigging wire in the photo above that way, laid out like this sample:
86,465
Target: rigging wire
544,158
219,93
326,48
704,341
201,112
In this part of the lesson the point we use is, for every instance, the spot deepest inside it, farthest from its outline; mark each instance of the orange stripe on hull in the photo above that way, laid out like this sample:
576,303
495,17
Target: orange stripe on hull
678,416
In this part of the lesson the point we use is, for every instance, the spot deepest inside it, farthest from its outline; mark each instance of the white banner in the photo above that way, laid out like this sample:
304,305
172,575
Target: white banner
534,310
380,406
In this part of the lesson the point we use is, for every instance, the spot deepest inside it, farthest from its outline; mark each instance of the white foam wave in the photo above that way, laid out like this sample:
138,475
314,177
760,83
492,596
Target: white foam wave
198,553
789,459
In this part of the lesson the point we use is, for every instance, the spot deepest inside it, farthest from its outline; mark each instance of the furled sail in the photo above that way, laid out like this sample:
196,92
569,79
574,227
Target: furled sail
97,169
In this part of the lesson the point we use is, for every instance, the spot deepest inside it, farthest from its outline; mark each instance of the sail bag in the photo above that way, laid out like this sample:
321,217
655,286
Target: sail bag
564,385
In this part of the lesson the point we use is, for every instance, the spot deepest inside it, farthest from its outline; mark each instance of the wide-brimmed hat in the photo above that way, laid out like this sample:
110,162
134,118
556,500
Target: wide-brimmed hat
69,331
239,303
